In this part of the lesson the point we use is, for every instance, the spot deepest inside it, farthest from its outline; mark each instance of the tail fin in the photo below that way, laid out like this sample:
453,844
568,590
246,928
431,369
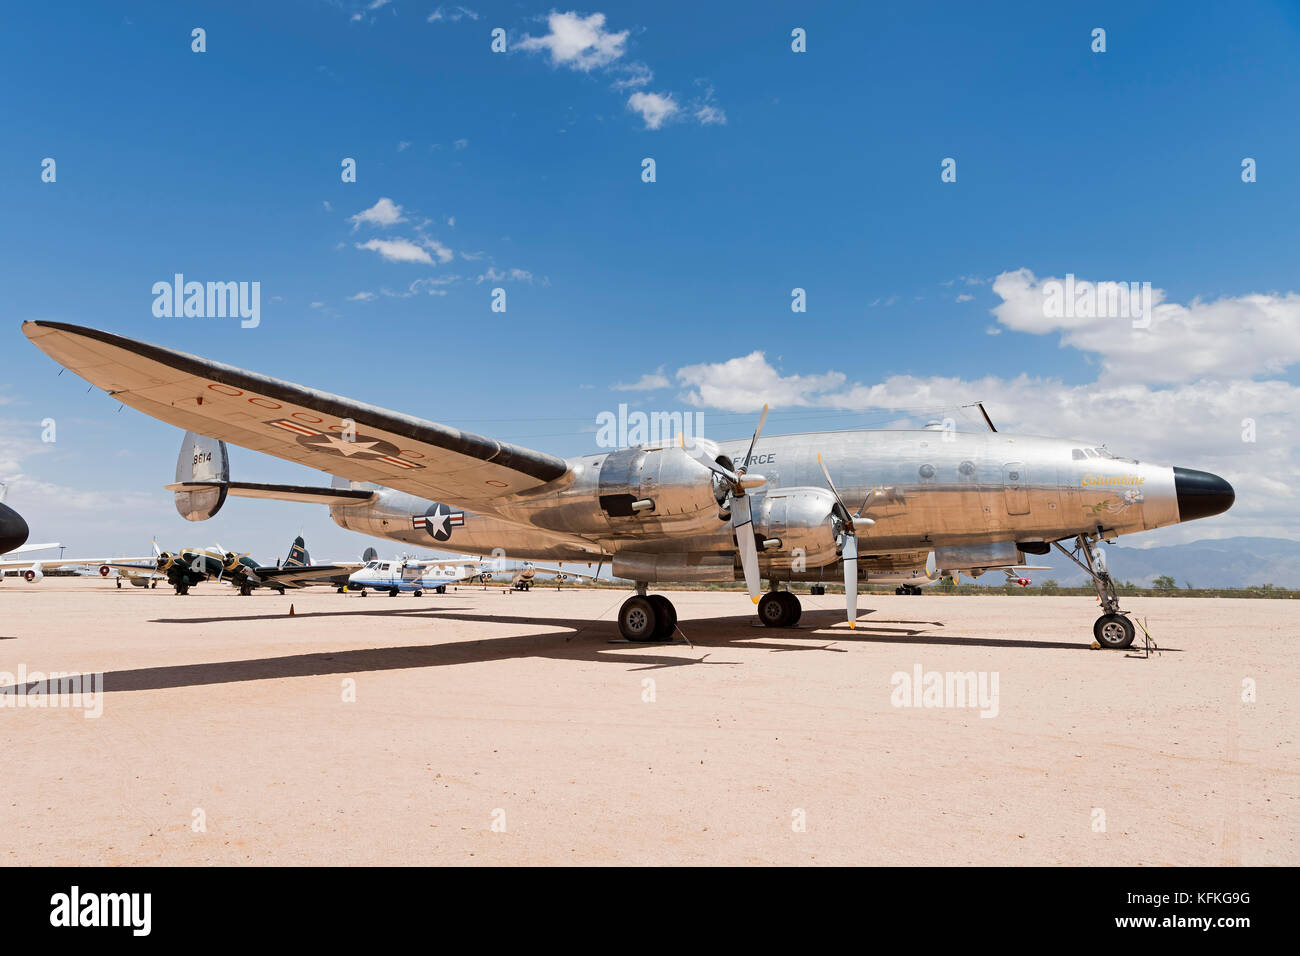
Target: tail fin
298,556
370,554
205,460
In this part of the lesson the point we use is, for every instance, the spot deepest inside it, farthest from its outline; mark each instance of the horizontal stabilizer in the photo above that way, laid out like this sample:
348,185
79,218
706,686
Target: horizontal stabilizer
251,489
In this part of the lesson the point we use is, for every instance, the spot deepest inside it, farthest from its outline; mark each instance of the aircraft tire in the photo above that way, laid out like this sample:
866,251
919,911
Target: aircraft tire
392,592
774,610
245,590
417,593
637,620
442,589
796,609
119,584
1114,631
665,617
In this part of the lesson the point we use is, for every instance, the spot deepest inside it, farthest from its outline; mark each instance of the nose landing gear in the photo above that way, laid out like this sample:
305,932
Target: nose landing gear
1113,629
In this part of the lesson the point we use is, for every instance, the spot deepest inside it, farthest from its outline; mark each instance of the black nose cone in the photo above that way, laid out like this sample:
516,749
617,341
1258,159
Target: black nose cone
13,529
1201,494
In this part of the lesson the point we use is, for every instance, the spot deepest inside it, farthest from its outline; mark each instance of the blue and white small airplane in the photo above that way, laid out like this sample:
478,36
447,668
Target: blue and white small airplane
406,574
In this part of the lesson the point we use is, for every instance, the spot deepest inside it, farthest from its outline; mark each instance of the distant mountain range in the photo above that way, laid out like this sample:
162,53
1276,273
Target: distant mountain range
1222,563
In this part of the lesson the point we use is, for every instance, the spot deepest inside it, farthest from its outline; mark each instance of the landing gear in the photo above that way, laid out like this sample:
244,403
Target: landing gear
441,589
182,588
1113,629
417,593
392,592
119,584
779,609
245,590
644,618
907,589
340,590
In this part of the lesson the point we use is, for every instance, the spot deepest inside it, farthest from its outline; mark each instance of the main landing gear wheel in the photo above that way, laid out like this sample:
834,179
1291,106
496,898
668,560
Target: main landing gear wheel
245,590
392,592
779,609
182,589
1113,631
665,617
441,589
637,619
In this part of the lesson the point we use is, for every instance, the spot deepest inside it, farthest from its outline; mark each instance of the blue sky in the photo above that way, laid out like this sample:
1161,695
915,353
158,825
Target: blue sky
776,170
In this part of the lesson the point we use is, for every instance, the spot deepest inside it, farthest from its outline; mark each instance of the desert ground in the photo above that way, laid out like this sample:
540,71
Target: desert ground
484,727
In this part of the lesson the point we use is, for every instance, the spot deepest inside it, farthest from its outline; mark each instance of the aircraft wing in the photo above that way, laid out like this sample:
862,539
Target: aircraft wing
32,547
297,423
295,576
132,564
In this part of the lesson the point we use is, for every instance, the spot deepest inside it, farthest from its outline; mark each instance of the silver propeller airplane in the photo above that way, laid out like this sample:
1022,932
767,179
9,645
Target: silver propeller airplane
761,508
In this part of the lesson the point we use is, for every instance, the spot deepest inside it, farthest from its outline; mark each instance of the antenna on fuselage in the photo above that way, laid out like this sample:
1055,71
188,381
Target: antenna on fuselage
987,421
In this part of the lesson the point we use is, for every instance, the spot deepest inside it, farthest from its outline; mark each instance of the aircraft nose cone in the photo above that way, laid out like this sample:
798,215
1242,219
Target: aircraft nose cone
1201,494
13,529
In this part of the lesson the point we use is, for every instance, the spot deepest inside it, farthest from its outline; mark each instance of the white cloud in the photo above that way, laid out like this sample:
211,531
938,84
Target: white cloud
404,145
384,213
964,297
646,383
438,249
451,14
494,274
579,43
654,108
709,115
1245,336
397,250
361,297
633,76
460,143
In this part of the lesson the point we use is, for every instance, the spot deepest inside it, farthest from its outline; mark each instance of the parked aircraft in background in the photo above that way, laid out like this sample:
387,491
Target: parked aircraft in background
662,512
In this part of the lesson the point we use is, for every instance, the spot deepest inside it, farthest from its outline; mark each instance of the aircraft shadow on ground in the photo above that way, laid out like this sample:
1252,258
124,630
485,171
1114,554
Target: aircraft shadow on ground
708,635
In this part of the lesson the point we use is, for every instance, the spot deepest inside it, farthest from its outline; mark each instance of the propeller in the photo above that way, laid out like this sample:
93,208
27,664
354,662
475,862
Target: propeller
850,525
742,524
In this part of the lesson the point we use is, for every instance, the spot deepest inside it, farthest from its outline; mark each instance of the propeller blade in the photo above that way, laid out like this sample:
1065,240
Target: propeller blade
698,453
762,420
850,555
743,526
835,491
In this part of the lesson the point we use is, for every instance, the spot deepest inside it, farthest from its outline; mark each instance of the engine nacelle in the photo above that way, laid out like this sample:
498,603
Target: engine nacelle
34,575
105,570
201,459
660,484
800,520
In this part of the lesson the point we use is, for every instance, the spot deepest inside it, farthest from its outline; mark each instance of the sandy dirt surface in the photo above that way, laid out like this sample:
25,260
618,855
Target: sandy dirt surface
517,729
